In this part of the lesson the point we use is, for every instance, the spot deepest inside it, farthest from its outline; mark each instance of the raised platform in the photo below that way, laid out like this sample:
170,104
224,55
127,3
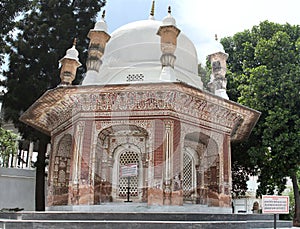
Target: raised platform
140,207
137,220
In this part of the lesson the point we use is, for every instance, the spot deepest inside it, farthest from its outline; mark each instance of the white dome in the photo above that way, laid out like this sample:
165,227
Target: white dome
101,25
169,20
133,53
216,47
72,53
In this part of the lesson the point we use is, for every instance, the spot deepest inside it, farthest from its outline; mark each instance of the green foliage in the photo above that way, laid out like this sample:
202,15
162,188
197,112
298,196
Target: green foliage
44,35
239,180
8,146
204,73
9,11
265,73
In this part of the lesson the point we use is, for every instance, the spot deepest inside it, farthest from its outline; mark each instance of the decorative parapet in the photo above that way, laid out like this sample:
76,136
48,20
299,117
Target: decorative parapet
62,106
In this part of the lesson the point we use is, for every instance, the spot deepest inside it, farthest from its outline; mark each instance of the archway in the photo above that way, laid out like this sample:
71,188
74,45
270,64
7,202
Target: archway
117,146
127,155
61,171
200,168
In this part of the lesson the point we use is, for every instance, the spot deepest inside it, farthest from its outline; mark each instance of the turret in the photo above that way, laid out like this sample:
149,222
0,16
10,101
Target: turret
98,40
218,81
69,64
168,33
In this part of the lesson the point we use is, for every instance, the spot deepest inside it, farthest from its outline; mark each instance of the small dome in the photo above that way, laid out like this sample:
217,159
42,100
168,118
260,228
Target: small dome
72,53
169,19
133,54
101,25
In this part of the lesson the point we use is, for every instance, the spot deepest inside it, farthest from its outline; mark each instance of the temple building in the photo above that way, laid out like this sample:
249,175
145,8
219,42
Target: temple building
140,112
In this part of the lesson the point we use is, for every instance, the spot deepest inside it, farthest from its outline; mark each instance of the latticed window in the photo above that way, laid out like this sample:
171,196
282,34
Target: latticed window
187,176
127,158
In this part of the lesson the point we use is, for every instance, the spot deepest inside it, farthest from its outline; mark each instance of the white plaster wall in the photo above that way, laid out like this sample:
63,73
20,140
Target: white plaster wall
17,188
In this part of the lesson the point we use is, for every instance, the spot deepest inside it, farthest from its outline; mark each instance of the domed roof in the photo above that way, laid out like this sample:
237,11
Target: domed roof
133,54
72,53
101,25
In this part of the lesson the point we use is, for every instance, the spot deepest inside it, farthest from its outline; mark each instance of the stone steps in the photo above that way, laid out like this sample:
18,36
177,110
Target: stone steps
136,220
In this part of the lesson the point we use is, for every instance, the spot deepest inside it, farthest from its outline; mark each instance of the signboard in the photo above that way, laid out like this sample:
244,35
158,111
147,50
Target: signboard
275,204
129,170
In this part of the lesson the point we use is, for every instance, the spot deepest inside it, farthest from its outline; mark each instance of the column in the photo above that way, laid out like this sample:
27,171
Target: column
168,152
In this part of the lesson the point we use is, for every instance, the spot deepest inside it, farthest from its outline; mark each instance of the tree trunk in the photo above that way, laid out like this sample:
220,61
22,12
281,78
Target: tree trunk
40,175
296,219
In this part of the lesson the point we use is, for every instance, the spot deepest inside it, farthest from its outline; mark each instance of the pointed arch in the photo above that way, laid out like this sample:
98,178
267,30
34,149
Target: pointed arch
61,172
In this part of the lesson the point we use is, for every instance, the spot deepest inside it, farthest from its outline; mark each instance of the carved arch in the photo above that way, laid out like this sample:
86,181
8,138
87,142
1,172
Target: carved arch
61,170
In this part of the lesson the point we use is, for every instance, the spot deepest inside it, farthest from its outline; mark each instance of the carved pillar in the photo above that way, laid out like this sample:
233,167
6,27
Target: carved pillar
227,179
86,195
155,191
168,152
75,166
145,163
177,161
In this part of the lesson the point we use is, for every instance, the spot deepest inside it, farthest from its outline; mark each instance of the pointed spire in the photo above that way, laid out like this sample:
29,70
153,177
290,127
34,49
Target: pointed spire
75,42
152,9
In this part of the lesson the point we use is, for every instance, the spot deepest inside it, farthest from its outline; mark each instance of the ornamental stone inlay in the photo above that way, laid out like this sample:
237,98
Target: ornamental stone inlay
63,105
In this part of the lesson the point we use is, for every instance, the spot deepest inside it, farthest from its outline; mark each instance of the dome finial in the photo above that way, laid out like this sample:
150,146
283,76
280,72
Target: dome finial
103,14
74,41
169,10
152,8
216,37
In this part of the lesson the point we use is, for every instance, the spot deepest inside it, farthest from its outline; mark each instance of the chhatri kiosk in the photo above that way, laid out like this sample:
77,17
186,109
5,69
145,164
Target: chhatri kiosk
141,111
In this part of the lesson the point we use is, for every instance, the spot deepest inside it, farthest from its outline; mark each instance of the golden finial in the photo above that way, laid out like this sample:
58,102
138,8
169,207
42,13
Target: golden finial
152,8
103,14
75,41
216,37
169,10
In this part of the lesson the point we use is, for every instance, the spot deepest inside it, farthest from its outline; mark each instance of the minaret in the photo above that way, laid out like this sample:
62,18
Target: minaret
218,81
168,43
69,64
98,39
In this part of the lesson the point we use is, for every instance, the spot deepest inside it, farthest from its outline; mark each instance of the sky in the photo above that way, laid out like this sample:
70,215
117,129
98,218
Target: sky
200,20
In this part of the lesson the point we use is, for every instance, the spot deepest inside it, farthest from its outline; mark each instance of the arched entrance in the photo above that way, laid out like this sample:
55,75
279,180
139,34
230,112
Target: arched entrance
61,171
200,168
189,175
127,156
119,146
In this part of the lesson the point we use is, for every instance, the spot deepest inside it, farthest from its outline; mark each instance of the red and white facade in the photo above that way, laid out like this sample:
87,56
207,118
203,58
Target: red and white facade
152,114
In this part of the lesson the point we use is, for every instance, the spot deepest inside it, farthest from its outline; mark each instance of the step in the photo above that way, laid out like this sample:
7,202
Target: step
136,220
61,224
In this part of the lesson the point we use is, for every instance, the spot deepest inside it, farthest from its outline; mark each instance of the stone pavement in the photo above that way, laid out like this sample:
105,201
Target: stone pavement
137,216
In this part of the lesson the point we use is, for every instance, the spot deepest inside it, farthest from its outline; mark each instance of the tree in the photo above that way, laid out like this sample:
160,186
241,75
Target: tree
9,10
44,34
8,146
264,67
204,73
